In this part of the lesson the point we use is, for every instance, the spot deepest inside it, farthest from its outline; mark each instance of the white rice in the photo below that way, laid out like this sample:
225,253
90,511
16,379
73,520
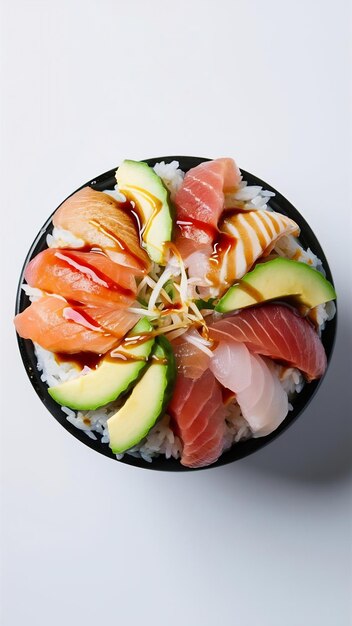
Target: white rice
171,175
61,238
161,439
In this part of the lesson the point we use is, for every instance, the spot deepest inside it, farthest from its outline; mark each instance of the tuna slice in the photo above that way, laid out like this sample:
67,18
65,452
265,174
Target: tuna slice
191,362
259,393
199,419
277,331
87,277
200,202
99,220
49,322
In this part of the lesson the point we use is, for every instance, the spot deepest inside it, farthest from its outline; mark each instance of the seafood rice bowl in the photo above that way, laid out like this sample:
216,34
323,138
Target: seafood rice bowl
176,314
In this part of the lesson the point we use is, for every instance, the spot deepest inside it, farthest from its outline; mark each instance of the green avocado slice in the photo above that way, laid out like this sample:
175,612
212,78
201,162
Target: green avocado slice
147,402
278,278
112,377
140,184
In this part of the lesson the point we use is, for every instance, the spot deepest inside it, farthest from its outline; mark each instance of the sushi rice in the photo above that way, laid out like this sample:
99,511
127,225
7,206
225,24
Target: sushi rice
161,440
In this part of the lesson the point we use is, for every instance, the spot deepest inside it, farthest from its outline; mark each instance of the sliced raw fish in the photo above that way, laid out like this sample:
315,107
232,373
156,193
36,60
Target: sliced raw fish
116,321
253,234
198,417
100,221
259,393
200,202
266,410
190,360
231,365
48,322
277,331
87,277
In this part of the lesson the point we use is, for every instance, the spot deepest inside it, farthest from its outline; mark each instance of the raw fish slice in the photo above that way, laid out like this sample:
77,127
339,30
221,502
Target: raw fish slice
194,423
199,419
197,263
277,331
181,394
116,321
87,277
200,201
207,448
99,220
231,365
44,322
190,360
266,412
255,233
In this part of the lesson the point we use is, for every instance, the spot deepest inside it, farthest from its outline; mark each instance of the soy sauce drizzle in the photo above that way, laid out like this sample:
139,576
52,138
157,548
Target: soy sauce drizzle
92,360
121,244
96,275
126,357
227,395
131,191
249,290
188,226
79,316
80,359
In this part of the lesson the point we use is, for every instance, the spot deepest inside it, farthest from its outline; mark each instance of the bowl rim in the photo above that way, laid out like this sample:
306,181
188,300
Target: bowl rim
238,450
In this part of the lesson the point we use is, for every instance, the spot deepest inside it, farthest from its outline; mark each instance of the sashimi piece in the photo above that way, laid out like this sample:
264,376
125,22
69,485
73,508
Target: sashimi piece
48,323
231,365
209,445
116,321
87,277
99,220
197,263
277,331
200,202
190,360
265,411
198,416
248,236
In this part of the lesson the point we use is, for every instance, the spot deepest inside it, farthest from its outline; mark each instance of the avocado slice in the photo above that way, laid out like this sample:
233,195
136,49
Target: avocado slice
111,378
278,278
139,183
147,402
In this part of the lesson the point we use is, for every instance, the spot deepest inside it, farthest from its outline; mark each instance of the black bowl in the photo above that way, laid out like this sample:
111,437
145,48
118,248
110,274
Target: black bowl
239,450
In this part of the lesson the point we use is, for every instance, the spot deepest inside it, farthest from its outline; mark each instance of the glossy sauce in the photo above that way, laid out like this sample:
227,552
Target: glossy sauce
227,395
132,192
188,227
82,266
80,359
223,249
249,290
171,307
120,243
119,354
80,316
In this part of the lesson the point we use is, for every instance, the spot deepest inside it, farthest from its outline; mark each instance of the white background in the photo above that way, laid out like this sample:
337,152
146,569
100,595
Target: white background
84,540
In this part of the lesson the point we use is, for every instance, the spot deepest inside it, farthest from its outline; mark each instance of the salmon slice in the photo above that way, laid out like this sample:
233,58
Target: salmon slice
200,202
87,277
48,322
115,321
99,220
277,331
190,360
198,416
